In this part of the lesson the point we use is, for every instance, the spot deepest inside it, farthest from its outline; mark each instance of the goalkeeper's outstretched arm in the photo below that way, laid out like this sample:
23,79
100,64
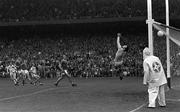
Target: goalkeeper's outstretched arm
119,52
118,40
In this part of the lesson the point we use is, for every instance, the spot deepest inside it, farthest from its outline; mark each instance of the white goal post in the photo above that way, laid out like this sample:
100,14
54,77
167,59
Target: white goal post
150,34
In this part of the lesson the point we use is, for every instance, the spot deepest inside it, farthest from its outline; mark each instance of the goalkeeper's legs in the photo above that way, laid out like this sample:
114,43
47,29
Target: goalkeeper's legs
120,76
119,73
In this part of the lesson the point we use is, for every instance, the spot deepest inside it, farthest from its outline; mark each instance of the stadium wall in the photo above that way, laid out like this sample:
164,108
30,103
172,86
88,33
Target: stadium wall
136,25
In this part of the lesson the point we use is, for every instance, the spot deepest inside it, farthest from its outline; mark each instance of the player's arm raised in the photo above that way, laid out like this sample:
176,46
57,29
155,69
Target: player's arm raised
118,40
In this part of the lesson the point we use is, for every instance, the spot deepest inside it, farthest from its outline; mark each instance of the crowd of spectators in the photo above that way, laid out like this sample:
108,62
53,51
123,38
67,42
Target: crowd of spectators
89,55
46,10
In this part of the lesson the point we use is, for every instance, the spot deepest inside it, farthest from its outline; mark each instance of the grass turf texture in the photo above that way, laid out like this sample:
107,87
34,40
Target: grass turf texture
91,95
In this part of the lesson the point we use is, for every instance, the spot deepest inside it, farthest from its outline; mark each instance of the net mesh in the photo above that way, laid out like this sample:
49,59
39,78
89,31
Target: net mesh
174,44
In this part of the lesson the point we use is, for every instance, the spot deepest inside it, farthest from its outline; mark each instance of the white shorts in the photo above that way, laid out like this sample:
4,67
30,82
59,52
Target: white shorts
13,75
35,75
26,72
23,73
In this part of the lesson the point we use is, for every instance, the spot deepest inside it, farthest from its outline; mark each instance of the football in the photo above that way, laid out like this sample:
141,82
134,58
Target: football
160,33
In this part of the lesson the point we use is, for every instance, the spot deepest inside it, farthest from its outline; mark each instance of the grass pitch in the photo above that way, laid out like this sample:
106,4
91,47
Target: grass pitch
91,95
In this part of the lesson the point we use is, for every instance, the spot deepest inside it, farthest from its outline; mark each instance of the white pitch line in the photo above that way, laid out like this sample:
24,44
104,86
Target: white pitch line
174,100
138,107
177,100
37,92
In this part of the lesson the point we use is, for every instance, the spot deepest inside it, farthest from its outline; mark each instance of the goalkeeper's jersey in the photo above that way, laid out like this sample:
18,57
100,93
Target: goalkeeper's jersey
119,55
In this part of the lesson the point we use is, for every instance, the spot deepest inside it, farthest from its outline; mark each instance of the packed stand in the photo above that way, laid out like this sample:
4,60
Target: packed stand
89,55
47,10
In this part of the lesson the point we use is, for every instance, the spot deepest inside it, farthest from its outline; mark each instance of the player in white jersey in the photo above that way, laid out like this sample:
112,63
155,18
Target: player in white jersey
118,61
155,78
34,74
13,73
23,73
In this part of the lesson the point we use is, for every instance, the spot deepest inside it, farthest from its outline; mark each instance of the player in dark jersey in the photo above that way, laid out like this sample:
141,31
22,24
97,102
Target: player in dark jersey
118,61
35,75
63,67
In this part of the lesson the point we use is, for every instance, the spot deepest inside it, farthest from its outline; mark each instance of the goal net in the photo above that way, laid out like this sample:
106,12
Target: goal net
160,46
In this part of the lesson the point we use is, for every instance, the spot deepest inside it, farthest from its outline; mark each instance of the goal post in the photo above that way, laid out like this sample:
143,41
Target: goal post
150,22
167,43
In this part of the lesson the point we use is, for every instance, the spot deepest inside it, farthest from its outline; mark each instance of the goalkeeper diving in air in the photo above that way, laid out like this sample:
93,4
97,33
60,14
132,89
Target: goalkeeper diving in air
118,61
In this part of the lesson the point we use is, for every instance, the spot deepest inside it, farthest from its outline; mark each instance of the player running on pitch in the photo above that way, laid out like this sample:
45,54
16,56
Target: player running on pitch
11,69
118,61
34,74
63,66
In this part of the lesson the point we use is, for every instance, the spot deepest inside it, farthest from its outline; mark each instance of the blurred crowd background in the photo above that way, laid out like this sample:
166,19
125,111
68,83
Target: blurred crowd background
43,10
90,55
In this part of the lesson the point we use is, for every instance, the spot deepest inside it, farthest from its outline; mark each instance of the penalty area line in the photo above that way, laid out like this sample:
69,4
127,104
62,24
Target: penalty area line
30,94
